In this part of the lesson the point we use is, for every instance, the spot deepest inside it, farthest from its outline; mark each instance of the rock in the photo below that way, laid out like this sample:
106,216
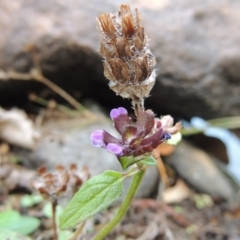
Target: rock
68,141
200,171
196,44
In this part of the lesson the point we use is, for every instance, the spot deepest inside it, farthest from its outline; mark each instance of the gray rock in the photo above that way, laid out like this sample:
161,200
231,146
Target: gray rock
196,44
200,171
68,141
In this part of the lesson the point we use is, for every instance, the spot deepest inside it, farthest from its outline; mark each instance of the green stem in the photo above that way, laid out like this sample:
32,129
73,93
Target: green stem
124,207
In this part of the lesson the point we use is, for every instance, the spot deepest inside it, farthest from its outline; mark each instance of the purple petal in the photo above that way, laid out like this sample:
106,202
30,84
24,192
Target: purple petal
118,111
114,148
120,118
122,110
97,138
114,113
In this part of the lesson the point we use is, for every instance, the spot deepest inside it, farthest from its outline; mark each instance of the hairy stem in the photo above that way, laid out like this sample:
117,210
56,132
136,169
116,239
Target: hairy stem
124,207
138,105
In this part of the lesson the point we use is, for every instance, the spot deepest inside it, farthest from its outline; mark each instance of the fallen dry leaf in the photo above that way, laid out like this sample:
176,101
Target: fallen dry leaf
16,128
12,175
177,193
4,148
151,231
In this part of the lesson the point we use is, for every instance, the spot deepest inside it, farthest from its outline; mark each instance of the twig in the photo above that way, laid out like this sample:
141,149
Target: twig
161,167
168,210
35,74
77,233
169,233
41,101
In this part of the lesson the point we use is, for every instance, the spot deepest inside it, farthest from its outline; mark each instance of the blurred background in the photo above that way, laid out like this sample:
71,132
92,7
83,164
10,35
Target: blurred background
53,94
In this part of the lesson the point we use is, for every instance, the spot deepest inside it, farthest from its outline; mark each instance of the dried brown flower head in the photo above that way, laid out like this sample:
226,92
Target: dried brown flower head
77,178
51,184
128,62
59,182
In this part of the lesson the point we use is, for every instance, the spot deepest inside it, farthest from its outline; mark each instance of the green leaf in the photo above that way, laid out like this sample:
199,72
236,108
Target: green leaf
150,161
95,195
12,220
202,201
11,235
30,200
130,160
127,161
63,235
15,159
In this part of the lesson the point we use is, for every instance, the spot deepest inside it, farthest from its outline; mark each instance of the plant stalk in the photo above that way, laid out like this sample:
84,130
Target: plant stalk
54,206
124,207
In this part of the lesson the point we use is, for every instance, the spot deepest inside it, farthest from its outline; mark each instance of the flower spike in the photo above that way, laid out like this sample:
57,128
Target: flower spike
136,138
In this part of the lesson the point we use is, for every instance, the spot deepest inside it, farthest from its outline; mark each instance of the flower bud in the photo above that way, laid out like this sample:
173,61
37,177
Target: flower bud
128,62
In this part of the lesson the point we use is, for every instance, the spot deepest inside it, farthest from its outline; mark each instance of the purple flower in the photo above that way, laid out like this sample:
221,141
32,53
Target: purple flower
114,148
97,138
137,139
166,136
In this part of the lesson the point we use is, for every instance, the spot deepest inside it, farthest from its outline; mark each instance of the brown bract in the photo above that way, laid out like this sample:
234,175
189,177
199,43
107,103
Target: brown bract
128,61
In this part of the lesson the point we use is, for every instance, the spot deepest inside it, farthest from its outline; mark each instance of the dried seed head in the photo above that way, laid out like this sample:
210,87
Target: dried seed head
77,177
128,61
51,184
60,182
